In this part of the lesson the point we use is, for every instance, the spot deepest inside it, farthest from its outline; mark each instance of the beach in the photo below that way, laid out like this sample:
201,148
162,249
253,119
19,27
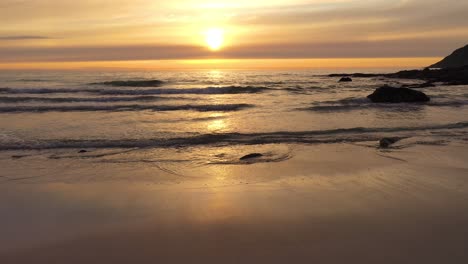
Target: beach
99,173
330,204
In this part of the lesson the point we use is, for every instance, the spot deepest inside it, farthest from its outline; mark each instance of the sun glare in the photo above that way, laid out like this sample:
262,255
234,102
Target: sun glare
214,38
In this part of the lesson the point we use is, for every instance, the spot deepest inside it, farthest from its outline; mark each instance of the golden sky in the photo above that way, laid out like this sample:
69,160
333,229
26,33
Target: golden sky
189,33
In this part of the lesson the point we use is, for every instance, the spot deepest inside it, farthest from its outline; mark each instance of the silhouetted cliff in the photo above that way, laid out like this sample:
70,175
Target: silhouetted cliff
458,58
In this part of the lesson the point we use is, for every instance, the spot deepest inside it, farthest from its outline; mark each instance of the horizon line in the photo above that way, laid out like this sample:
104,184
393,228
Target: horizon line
229,64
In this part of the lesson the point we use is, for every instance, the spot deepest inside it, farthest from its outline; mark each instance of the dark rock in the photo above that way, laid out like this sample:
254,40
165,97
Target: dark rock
345,79
387,142
82,151
252,156
388,94
458,58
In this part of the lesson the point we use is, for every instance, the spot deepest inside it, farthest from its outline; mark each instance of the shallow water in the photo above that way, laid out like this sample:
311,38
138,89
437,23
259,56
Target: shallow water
53,115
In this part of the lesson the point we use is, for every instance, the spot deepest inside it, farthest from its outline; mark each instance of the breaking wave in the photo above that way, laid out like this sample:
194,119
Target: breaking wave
352,104
122,108
137,83
146,98
349,135
160,91
33,80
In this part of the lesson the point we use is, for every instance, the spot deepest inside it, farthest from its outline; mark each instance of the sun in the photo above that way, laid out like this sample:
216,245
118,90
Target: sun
214,38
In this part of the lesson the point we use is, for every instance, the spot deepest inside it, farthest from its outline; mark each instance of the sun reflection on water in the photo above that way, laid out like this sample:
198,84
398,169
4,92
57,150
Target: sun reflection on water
217,125
215,75
218,122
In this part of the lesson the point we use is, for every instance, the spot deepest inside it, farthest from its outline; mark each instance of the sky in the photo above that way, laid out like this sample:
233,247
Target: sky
260,33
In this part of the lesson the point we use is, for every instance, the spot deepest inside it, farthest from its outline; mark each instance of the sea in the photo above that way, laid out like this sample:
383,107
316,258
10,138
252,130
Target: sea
54,122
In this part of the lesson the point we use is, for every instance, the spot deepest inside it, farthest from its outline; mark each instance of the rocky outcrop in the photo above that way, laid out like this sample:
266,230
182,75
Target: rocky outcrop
453,70
387,142
458,58
448,76
345,79
252,156
388,94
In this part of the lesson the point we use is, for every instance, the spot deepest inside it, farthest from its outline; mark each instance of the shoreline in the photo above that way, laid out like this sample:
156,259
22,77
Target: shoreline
329,203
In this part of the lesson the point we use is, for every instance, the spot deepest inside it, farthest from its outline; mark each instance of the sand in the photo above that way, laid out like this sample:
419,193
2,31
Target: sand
337,203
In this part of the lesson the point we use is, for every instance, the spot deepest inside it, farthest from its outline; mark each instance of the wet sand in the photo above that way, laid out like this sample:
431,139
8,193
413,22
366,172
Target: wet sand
337,203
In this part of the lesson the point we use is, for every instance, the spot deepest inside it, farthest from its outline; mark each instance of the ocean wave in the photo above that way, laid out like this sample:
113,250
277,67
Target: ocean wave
123,108
45,90
301,90
146,98
346,135
207,90
32,80
132,83
161,91
352,104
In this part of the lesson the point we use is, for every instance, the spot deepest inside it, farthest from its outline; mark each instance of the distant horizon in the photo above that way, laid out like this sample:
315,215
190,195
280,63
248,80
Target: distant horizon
230,64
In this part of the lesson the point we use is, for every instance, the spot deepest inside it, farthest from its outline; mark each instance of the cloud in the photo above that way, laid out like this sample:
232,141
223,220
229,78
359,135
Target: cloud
25,37
96,30
351,49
